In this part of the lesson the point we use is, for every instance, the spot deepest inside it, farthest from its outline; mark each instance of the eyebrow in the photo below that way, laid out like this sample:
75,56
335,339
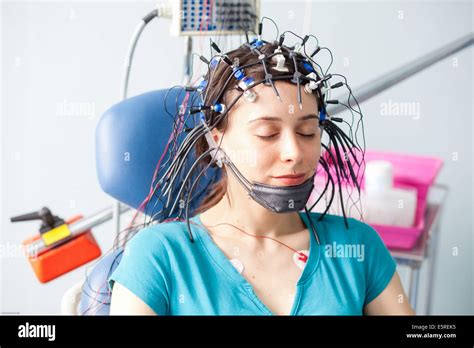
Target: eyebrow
272,118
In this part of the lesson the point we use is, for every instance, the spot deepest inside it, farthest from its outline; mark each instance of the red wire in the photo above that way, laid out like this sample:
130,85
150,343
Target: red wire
303,257
150,193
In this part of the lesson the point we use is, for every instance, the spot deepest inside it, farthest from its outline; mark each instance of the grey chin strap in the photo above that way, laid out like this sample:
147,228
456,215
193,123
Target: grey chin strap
282,199
279,199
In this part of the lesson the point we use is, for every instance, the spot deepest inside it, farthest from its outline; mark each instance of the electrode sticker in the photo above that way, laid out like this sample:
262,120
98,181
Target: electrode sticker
300,257
238,265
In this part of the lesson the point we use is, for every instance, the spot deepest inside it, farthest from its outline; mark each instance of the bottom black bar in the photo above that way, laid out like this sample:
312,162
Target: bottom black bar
226,330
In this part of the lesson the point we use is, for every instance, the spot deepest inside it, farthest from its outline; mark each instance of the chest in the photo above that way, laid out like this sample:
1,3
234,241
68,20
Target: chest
273,273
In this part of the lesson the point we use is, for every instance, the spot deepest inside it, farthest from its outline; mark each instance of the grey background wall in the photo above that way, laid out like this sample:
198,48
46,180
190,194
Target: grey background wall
62,68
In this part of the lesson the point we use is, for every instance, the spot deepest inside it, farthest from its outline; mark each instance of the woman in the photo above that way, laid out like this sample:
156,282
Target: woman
255,252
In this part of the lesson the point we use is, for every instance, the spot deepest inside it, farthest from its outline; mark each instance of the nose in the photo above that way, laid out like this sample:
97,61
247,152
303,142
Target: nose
291,148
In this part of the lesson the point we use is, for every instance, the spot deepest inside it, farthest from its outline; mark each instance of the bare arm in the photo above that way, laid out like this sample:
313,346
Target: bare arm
391,301
124,302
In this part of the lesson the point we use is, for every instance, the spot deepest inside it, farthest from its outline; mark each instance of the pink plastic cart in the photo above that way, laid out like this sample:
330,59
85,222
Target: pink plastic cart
410,171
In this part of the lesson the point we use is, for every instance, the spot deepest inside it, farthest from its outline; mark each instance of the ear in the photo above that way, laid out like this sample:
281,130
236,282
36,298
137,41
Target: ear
216,135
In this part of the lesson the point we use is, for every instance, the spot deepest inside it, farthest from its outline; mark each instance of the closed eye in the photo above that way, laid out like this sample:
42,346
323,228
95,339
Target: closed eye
268,137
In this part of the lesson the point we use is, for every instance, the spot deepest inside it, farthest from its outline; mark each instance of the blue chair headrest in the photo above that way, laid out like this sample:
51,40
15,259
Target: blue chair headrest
130,139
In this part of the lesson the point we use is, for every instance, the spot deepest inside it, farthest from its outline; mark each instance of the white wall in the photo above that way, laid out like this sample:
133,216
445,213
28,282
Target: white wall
72,52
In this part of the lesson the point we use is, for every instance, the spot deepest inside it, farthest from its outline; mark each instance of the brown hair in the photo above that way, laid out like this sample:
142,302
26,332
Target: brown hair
217,80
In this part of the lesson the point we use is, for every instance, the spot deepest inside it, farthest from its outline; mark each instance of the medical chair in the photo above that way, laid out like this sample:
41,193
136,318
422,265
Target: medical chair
131,136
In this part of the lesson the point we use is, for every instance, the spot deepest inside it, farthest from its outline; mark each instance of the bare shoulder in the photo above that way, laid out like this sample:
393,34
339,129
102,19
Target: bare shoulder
125,302
391,301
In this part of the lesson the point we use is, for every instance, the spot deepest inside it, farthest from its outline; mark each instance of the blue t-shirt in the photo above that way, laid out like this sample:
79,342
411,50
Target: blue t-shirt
174,276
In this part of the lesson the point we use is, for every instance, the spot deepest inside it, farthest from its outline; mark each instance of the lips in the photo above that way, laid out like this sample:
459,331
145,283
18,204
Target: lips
291,179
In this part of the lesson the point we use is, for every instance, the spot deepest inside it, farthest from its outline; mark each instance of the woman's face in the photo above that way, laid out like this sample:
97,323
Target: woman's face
268,138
